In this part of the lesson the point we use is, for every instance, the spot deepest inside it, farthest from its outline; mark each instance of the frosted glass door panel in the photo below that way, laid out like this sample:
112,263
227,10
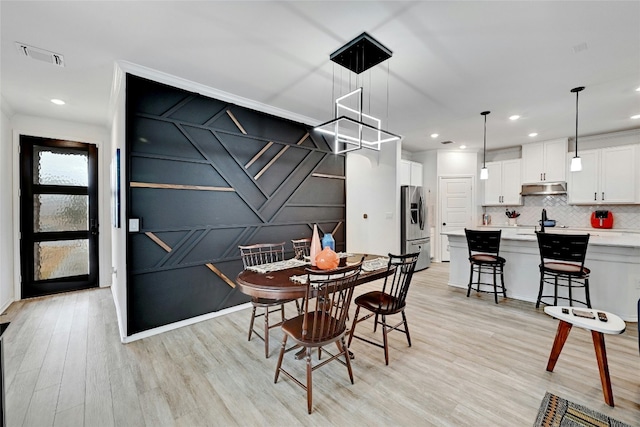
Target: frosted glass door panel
61,258
52,168
60,212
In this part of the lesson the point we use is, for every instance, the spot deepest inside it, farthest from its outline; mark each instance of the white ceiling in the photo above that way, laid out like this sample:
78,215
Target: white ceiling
451,60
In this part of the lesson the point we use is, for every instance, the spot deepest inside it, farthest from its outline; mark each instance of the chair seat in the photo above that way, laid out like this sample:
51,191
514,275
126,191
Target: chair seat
318,338
486,259
379,302
565,268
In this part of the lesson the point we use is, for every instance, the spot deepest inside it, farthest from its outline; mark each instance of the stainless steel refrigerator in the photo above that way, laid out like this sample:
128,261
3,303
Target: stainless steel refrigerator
414,232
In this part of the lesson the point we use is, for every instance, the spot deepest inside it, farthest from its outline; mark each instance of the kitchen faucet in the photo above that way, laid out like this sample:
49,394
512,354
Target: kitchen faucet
544,218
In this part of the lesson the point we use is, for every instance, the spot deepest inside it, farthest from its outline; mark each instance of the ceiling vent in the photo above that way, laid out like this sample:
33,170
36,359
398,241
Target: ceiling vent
40,54
446,142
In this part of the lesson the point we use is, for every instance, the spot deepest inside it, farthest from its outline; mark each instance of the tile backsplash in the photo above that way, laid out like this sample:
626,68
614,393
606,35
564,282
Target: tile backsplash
625,216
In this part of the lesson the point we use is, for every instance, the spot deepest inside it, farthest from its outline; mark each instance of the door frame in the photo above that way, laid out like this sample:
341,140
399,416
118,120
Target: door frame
438,225
28,159
67,131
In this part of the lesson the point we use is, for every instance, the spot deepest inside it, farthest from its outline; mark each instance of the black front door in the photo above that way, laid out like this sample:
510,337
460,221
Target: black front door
58,216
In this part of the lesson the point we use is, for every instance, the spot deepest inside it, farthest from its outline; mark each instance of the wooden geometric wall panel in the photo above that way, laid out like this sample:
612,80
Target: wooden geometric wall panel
204,176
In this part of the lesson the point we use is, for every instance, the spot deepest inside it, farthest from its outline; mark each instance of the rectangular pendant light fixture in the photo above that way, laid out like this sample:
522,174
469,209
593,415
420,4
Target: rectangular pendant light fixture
352,129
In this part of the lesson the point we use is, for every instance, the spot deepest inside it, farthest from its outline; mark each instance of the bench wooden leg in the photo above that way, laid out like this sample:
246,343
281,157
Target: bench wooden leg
561,336
603,366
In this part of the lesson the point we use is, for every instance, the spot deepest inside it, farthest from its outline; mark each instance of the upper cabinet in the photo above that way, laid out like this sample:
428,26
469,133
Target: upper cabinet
410,173
608,175
504,183
544,161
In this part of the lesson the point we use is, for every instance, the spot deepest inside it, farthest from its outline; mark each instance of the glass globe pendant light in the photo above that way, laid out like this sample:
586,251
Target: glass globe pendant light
576,162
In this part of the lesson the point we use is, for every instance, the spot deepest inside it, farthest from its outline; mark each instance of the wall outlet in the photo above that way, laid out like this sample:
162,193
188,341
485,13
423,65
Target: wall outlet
134,225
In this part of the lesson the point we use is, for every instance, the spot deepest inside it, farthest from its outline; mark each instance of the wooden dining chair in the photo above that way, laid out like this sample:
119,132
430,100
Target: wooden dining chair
264,253
301,247
391,300
321,323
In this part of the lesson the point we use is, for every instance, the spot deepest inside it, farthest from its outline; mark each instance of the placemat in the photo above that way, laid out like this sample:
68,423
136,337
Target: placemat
278,265
370,265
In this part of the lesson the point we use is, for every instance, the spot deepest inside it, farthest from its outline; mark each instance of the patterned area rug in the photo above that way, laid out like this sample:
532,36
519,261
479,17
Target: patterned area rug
558,412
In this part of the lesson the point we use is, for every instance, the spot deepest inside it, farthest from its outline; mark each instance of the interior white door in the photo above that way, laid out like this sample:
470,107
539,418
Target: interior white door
456,209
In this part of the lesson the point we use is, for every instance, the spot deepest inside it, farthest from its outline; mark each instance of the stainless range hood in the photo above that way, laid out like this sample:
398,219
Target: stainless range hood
544,189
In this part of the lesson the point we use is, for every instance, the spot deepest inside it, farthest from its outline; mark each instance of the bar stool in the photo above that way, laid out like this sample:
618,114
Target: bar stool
562,265
484,258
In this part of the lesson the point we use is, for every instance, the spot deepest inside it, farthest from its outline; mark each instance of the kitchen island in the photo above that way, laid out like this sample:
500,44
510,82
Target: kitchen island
613,258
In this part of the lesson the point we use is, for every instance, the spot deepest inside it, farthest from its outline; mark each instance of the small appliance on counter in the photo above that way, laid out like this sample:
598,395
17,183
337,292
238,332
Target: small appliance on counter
602,219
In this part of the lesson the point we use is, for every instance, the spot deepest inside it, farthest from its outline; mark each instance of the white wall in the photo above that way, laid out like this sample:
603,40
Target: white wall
6,211
119,235
373,189
49,128
457,163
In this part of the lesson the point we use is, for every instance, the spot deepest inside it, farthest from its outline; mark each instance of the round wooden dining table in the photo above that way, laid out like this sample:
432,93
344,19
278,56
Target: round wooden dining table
277,284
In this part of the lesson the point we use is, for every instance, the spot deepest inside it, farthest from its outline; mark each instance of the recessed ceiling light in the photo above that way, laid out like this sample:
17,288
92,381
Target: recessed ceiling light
463,147
637,116
58,101
532,134
514,117
434,135
638,90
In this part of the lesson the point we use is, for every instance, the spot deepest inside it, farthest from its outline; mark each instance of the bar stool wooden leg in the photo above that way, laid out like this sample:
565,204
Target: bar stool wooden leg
561,336
603,366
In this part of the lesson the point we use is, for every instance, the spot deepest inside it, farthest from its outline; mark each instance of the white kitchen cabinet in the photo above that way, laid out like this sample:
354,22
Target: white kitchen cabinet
410,173
544,161
504,183
608,175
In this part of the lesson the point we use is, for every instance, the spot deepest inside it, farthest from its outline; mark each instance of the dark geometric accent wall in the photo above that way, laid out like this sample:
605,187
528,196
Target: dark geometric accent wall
204,176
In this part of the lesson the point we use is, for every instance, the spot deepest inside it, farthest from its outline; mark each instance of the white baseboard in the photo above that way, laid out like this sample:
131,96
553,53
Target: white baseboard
182,323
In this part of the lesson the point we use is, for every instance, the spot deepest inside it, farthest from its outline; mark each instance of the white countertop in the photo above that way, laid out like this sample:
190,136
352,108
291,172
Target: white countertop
597,238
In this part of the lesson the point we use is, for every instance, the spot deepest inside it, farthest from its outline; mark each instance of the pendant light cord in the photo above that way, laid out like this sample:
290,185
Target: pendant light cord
577,93
577,90
484,147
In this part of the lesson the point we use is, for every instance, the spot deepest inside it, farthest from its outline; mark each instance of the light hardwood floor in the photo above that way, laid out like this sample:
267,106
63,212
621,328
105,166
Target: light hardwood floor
472,363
